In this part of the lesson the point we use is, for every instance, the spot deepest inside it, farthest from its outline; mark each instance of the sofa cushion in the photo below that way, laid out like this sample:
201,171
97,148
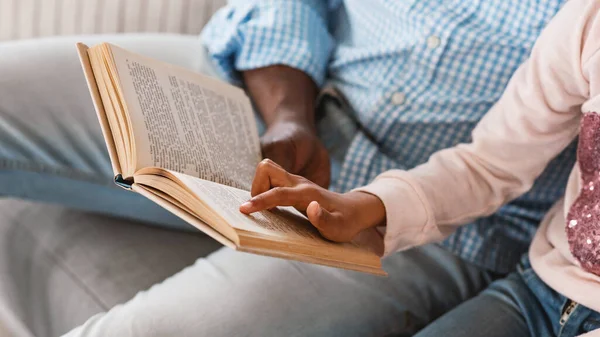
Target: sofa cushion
58,267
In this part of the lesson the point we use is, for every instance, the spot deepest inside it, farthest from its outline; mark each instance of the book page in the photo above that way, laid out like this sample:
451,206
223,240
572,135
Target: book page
187,122
179,210
285,228
285,222
285,233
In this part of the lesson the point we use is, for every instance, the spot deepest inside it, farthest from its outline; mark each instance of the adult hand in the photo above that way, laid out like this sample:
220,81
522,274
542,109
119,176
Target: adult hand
298,150
286,99
338,217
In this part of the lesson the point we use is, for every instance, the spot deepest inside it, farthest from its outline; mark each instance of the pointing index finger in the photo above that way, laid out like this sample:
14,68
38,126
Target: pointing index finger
268,175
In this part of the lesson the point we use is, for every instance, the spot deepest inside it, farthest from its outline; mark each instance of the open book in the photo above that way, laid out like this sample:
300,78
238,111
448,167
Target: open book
189,143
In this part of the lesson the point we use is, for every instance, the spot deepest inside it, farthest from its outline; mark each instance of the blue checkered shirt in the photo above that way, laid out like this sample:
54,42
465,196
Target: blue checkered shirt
418,73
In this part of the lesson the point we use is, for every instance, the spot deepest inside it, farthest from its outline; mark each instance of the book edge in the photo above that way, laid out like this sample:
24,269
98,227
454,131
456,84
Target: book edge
206,229
82,51
313,260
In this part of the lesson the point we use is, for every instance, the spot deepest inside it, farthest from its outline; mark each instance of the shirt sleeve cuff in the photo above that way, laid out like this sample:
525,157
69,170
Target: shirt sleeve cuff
409,219
251,36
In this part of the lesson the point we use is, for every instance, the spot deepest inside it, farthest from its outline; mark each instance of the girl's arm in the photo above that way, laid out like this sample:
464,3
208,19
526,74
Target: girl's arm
594,333
535,119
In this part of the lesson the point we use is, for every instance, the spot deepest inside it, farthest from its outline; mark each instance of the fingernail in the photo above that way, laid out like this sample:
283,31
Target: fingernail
318,210
245,206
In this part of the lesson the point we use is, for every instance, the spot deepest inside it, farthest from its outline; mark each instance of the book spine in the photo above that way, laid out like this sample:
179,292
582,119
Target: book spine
124,182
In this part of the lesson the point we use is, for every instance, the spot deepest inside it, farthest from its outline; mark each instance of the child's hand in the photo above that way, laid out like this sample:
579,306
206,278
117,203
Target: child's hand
339,217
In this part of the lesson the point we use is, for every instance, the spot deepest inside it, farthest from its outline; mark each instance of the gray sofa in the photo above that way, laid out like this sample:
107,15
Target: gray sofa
59,267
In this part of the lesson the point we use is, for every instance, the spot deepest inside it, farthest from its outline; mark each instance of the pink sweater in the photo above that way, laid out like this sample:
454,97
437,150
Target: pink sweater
536,118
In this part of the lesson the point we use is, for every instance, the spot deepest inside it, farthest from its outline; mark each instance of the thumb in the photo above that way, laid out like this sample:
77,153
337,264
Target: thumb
322,219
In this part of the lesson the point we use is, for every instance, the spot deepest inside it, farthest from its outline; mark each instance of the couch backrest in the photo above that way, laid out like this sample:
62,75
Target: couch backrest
21,19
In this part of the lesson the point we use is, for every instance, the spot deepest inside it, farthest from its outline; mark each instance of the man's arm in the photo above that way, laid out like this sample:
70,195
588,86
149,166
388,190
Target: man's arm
246,35
282,93
279,49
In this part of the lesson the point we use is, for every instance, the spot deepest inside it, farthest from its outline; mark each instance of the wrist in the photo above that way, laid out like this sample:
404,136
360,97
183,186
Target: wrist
282,94
370,210
299,116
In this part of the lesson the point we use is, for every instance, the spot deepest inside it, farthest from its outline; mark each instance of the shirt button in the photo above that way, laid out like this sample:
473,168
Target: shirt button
433,41
398,98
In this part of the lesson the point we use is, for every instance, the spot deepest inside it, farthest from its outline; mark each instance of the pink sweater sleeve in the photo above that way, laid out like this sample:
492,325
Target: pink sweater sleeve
595,333
535,119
